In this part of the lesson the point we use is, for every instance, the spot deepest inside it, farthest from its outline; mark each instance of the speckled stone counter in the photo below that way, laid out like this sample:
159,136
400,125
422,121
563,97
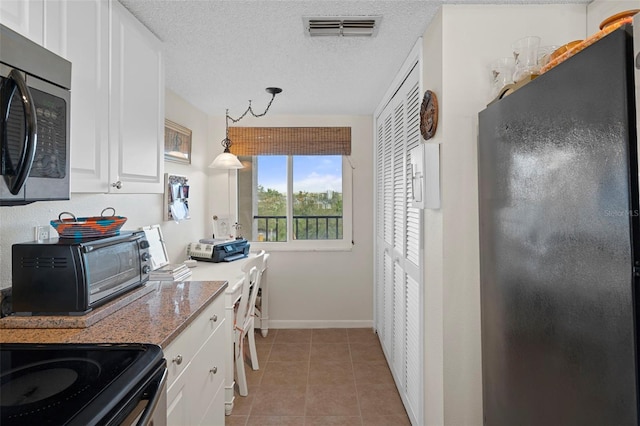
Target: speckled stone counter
157,317
81,321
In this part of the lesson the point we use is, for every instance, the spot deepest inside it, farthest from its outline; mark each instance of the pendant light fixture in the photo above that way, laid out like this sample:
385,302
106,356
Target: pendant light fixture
227,160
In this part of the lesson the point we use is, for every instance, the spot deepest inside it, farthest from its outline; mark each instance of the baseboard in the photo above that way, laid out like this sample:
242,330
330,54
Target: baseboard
320,324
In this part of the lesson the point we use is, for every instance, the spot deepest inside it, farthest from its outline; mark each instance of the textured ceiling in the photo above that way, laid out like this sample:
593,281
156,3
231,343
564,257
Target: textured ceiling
220,54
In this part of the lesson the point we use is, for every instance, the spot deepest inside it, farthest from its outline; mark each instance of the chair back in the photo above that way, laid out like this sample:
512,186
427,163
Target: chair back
252,269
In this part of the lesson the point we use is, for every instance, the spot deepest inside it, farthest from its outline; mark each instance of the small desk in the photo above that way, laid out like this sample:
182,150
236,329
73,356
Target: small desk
232,272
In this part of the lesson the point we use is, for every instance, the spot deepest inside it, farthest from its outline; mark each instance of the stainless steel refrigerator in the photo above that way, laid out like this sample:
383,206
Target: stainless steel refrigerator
560,243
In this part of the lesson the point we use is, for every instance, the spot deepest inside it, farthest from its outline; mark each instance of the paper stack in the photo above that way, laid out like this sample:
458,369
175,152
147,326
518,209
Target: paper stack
171,272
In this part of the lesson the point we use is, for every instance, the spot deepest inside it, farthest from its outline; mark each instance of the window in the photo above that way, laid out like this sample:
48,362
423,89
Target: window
295,189
295,200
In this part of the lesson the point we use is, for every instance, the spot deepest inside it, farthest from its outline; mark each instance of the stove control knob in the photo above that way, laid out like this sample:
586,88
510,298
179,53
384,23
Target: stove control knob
177,360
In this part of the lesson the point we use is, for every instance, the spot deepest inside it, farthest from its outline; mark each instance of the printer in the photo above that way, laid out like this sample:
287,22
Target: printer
218,250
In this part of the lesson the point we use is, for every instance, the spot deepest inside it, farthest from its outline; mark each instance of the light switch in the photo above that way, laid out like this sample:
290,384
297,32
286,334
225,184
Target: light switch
425,176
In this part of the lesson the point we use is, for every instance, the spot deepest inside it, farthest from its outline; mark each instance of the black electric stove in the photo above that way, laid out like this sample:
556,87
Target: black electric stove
77,384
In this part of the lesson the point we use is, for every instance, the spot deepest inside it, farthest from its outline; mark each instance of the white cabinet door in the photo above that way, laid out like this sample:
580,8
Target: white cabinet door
215,414
398,249
196,370
136,106
25,17
207,372
79,32
178,408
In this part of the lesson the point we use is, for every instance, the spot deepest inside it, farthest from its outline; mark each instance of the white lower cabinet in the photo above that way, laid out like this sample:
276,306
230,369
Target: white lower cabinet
177,404
195,362
208,379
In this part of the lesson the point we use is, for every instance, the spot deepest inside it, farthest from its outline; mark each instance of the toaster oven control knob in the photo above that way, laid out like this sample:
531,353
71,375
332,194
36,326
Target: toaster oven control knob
145,256
146,269
144,244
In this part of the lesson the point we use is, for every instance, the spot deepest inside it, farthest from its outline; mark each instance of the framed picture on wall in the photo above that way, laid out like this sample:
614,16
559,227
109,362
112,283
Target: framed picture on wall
177,143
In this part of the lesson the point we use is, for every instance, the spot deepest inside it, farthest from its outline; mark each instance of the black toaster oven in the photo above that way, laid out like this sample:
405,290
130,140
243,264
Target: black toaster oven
71,277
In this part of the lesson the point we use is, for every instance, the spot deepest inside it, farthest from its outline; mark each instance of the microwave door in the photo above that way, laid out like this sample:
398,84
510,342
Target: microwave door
49,175
18,134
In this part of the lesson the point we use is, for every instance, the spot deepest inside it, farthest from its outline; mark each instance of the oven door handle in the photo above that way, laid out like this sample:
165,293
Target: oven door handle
89,247
21,172
154,399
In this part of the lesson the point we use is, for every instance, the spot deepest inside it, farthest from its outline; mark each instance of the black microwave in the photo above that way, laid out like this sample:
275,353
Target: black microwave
71,277
35,95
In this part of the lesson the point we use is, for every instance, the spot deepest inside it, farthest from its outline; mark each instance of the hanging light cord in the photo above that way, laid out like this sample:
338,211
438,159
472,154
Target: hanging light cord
226,142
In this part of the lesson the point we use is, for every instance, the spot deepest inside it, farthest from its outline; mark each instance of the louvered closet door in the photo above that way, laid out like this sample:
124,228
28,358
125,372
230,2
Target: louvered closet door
398,252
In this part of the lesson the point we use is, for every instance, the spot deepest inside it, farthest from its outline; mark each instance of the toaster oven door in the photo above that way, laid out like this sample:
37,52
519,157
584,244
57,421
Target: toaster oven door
112,269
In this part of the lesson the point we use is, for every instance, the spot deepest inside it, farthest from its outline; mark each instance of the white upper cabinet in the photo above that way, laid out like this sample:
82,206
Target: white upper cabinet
136,107
117,89
24,17
79,31
117,95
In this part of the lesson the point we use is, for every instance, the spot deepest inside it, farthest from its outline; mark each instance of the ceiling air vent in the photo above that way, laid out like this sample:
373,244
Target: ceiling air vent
366,26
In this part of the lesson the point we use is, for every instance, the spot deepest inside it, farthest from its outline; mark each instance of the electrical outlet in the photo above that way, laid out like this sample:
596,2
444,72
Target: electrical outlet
41,233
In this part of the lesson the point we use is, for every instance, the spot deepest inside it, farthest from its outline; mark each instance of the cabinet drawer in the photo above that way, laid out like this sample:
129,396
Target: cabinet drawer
182,350
208,321
208,370
178,354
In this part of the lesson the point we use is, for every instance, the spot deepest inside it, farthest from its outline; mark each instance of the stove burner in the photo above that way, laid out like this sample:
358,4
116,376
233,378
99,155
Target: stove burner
38,381
34,387
73,384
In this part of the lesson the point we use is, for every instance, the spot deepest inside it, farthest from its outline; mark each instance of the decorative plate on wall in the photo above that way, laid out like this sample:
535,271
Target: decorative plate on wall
429,115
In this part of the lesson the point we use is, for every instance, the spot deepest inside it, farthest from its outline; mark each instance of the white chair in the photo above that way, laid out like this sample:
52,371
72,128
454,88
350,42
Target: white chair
244,324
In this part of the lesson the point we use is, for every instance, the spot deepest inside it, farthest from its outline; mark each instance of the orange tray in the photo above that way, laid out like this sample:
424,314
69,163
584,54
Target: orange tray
586,43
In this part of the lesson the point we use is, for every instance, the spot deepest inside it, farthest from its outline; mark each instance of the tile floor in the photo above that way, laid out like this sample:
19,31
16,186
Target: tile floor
319,377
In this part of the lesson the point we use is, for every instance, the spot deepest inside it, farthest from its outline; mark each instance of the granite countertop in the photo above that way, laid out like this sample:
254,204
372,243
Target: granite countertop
157,317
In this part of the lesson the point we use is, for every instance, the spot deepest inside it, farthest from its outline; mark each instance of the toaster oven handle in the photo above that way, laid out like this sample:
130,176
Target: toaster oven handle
97,244
21,172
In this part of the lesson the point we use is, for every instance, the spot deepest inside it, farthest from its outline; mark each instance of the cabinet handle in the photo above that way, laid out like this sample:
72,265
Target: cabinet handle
214,318
214,370
117,185
177,360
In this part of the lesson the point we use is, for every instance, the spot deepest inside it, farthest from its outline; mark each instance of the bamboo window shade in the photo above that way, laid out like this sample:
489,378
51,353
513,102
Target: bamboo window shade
249,141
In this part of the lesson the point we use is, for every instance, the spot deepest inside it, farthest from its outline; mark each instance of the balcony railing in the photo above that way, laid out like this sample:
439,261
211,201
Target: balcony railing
274,228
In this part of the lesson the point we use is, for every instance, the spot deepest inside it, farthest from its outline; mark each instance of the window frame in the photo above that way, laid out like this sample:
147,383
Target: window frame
344,244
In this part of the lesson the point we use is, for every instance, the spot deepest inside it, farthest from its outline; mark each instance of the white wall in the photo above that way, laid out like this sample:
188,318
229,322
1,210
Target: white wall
321,288
432,74
17,222
177,235
457,48
308,289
